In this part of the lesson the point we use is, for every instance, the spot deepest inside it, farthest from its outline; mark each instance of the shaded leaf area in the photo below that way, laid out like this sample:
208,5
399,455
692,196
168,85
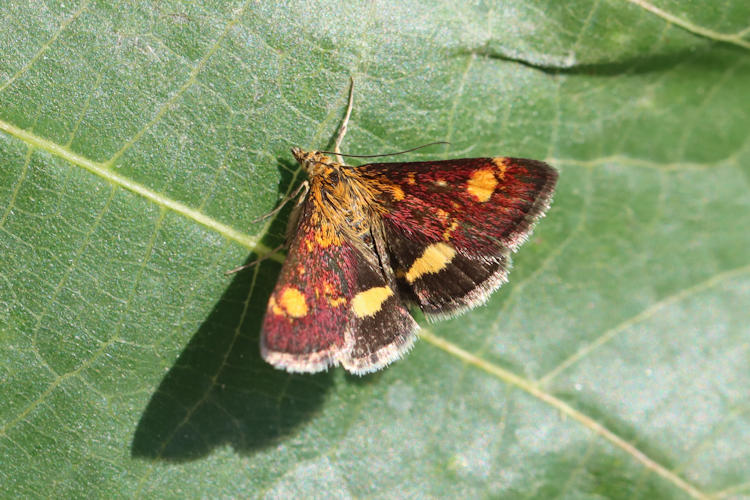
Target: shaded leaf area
221,392
130,362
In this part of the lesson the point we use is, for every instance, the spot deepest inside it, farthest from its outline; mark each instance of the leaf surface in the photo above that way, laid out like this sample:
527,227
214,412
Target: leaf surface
139,141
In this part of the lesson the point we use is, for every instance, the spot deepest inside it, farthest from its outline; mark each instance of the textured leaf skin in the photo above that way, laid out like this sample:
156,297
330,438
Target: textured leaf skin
138,142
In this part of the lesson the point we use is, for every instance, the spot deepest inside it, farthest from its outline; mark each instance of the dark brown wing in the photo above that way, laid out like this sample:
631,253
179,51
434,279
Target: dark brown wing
451,225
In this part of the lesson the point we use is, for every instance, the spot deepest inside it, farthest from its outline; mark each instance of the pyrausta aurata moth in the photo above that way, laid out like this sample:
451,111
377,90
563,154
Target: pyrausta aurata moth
366,241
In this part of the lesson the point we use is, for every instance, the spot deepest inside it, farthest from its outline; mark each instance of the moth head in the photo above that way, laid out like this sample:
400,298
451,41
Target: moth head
312,161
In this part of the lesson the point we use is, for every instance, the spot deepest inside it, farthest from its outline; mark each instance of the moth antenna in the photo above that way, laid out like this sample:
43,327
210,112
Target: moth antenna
344,123
385,154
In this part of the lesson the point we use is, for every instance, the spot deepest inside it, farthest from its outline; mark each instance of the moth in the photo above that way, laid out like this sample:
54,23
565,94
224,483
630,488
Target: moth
365,242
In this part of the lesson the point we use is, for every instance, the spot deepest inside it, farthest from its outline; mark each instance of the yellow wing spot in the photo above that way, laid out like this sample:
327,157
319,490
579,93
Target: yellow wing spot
447,233
293,303
501,164
370,301
273,306
441,183
434,258
337,302
482,184
411,179
398,193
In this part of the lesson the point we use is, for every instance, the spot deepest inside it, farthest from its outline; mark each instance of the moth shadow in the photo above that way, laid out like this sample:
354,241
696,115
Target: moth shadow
220,391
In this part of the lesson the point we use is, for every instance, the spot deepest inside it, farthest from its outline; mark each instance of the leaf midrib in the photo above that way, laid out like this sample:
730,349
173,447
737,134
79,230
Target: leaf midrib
35,142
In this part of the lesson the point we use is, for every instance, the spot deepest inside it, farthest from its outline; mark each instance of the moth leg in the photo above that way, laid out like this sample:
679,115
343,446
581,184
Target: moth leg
301,191
344,123
304,186
256,261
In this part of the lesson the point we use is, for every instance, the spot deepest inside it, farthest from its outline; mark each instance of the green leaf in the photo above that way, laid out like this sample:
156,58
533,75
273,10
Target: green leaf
139,141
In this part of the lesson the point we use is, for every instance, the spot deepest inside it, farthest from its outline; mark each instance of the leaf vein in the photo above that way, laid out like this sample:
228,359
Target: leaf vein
192,77
49,302
642,316
735,39
535,390
459,92
698,110
549,259
17,187
732,490
209,387
101,170
45,46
